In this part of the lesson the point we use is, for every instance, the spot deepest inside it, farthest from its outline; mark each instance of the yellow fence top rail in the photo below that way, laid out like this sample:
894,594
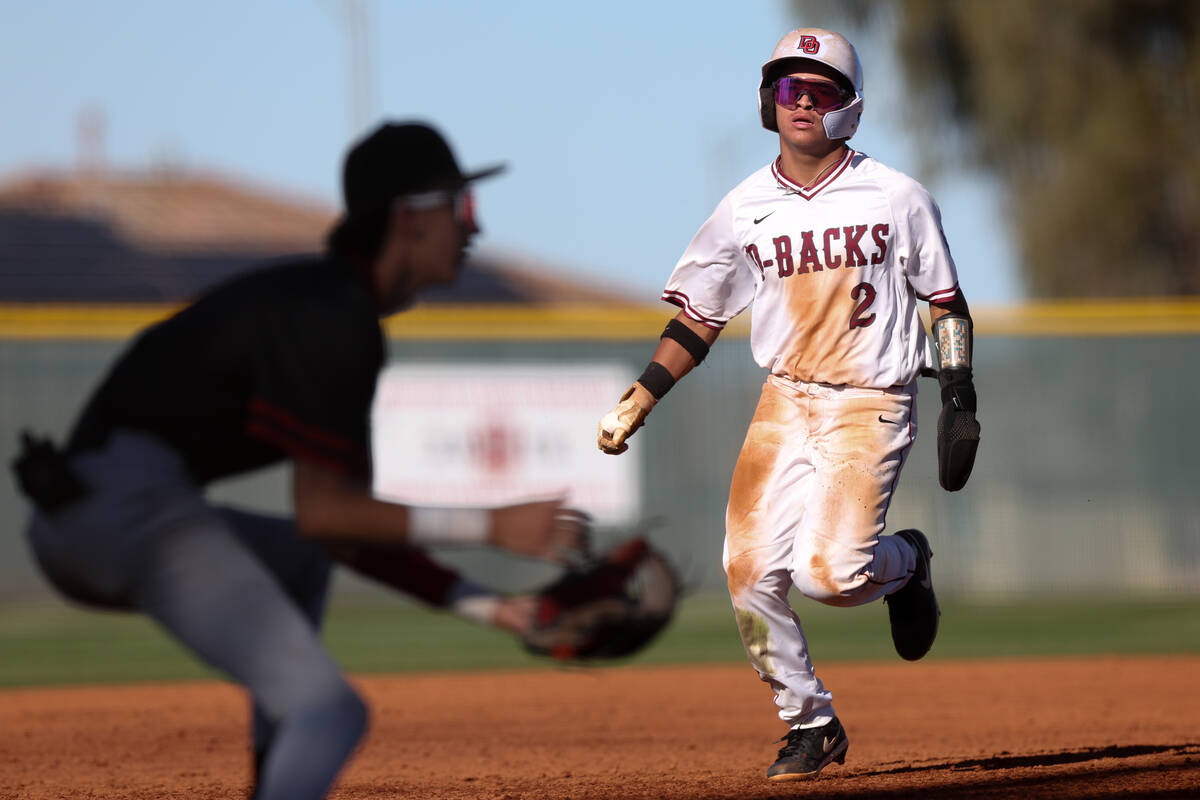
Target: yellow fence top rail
614,323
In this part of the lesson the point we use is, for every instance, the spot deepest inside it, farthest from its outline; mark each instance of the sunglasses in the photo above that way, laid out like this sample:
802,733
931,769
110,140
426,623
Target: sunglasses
824,95
462,200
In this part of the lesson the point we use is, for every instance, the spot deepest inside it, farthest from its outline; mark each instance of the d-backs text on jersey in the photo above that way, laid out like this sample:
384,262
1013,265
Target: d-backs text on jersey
835,242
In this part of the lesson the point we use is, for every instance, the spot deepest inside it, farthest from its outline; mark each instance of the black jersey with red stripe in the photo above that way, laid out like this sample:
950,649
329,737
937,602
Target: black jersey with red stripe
278,363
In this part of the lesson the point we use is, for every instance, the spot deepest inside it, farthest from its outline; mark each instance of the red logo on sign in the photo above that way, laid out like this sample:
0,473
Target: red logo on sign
808,44
494,446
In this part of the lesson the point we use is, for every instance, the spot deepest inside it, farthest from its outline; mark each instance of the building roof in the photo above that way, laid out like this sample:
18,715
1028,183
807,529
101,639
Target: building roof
166,235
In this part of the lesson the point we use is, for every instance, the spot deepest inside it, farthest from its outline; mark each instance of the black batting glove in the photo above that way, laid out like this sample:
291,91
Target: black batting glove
958,430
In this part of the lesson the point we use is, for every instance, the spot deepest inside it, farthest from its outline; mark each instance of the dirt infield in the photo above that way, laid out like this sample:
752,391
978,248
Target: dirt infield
1096,727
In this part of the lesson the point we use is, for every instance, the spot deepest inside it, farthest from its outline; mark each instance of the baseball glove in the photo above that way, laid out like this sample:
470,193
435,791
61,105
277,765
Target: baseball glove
611,607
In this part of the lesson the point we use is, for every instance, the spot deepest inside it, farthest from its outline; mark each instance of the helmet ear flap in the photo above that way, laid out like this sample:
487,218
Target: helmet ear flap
766,108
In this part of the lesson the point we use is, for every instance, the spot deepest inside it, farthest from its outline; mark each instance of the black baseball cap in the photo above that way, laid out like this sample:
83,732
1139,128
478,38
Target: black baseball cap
398,159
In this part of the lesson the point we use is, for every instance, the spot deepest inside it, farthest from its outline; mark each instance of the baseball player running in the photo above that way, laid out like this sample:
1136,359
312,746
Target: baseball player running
834,249
279,364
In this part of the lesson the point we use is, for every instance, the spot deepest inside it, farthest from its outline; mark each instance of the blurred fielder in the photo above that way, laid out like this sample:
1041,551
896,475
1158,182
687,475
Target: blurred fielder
279,364
834,249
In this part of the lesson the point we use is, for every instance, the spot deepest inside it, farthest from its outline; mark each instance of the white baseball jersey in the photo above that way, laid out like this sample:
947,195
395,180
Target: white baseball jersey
834,271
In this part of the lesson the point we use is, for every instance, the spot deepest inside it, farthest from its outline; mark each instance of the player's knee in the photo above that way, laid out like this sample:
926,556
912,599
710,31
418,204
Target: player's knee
339,708
754,584
310,745
829,580
739,575
827,589
354,711
748,576
313,694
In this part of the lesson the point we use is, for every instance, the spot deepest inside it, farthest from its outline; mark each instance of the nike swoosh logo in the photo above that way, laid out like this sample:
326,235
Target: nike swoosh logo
764,216
828,744
888,421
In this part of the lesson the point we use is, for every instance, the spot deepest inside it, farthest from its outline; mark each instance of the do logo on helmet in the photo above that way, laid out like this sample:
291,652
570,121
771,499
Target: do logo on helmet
808,44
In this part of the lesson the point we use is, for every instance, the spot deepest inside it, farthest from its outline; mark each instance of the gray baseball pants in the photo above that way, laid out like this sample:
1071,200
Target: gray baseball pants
242,591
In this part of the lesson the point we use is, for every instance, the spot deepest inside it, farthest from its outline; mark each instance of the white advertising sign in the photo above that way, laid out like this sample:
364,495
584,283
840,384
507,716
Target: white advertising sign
492,434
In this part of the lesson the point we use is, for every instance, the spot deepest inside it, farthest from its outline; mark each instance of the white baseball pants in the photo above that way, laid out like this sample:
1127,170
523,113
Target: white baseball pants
807,505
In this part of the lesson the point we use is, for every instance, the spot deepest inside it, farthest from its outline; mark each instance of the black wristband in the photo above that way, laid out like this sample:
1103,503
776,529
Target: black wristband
687,338
958,387
657,379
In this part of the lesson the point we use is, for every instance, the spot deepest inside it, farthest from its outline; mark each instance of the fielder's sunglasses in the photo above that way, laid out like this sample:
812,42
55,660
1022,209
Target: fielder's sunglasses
824,95
463,201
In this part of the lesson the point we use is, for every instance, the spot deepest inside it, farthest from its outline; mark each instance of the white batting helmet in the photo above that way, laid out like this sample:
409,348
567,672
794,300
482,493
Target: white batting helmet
828,48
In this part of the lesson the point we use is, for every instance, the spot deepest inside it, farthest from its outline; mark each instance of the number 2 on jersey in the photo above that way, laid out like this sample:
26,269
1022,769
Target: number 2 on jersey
864,293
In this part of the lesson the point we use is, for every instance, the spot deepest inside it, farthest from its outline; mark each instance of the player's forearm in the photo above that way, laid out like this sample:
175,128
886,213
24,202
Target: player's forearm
958,429
954,307
413,572
331,507
683,344
405,568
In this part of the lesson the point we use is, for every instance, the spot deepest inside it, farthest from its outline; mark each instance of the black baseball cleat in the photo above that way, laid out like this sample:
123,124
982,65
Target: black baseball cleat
913,610
808,751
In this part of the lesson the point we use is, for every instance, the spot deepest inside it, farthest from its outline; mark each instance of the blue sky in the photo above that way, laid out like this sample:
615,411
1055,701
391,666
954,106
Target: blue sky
623,123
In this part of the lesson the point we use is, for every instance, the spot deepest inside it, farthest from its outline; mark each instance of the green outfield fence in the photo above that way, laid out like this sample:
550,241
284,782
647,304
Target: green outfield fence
1086,480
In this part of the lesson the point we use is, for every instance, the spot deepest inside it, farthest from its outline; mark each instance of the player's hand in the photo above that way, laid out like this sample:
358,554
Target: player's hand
542,529
958,430
516,614
619,424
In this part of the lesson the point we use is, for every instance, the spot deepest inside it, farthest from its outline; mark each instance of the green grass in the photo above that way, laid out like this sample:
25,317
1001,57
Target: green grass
55,644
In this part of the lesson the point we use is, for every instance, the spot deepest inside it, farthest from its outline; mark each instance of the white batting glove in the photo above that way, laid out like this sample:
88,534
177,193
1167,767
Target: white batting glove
619,424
